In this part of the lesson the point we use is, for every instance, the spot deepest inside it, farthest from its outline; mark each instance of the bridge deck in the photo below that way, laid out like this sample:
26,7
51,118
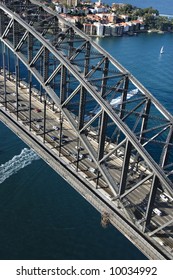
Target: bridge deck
81,163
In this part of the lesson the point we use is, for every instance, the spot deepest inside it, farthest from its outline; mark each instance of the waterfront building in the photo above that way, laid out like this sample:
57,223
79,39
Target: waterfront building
98,4
112,17
103,17
101,9
73,3
124,17
90,29
136,24
58,8
99,29
101,23
125,26
119,29
107,30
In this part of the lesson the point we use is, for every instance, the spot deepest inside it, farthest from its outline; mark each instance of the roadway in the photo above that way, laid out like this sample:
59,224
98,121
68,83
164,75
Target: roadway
63,142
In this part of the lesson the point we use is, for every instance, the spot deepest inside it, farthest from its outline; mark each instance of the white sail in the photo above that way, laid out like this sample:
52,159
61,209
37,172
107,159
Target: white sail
162,50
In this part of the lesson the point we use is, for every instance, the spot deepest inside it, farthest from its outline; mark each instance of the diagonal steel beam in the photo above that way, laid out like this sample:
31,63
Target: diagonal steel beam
156,135
136,186
102,135
7,29
67,100
151,199
160,228
164,154
125,167
39,53
54,73
24,37
90,121
112,151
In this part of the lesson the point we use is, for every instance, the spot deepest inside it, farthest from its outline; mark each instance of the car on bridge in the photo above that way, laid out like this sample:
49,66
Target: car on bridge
38,110
54,138
92,169
55,127
164,197
75,155
89,158
157,211
38,126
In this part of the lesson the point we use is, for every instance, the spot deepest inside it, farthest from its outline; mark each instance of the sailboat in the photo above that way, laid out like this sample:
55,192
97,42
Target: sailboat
161,50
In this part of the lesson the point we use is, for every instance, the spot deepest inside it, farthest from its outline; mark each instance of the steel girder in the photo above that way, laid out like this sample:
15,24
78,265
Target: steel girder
99,98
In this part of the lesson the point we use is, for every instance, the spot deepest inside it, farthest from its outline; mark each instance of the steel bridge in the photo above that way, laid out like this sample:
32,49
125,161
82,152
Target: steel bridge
91,120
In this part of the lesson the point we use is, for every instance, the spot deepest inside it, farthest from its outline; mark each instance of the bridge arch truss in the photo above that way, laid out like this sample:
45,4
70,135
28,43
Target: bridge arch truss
117,124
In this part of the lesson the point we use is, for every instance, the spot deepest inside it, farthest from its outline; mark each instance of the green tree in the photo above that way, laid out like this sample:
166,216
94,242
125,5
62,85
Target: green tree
126,9
163,23
149,21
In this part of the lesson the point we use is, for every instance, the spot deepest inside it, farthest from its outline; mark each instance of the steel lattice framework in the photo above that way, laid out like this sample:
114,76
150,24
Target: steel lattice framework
102,102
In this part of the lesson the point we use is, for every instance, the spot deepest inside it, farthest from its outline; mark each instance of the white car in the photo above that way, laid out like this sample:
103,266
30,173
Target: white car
164,197
55,127
81,156
157,211
78,147
89,158
93,170
38,126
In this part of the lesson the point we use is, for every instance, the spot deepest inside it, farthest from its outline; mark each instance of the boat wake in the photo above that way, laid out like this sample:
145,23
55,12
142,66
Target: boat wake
114,103
16,163
117,101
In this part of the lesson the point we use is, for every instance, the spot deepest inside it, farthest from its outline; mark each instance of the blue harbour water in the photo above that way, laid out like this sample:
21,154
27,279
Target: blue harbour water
163,6
41,216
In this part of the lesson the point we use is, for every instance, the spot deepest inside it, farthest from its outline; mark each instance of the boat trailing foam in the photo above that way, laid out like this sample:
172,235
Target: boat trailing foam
114,103
16,163
117,101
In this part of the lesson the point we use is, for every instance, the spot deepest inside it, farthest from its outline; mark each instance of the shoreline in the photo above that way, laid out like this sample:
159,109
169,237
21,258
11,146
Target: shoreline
151,31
